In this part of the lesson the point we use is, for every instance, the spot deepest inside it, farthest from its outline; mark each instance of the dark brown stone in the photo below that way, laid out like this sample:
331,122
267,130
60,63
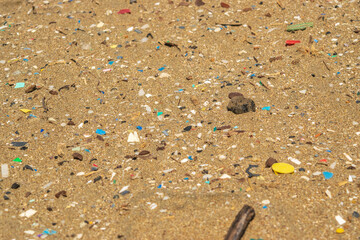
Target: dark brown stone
30,89
270,162
61,193
223,127
239,105
235,94
199,3
144,152
77,156
53,92
224,5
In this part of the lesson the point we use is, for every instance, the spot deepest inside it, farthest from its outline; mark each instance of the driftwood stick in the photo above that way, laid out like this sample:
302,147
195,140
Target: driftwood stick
239,225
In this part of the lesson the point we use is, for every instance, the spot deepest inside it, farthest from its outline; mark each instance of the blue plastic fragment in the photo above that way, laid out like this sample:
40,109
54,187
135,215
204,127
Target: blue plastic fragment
100,132
161,69
139,128
266,108
159,186
125,192
111,62
48,232
328,175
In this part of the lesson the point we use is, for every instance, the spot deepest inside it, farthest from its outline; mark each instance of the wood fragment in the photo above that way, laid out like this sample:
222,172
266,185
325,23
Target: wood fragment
280,5
169,44
326,65
230,24
239,225
46,109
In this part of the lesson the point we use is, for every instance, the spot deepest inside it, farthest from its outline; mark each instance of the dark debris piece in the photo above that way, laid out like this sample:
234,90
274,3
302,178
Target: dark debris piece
61,193
18,144
28,167
252,174
169,44
97,179
15,186
125,192
188,128
77,156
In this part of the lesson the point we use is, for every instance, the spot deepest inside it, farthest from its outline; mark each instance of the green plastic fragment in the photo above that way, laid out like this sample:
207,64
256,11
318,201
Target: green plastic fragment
301,26
215,129
17,160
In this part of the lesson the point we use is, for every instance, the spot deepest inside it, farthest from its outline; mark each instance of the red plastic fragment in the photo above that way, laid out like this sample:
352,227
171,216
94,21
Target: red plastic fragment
291,42
123,11
323,160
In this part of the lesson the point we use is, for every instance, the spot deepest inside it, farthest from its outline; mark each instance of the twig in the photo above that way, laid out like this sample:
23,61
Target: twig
239,225
326,65
230,24
46,109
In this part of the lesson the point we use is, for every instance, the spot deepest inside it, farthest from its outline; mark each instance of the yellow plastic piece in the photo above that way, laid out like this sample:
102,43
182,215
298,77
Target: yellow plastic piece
25,110
282,168
342,183
339,230
113,46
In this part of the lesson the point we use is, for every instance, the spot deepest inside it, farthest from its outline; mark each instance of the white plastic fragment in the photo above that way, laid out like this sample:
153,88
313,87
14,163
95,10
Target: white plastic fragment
340,220
265,202
133,138
168,170
141,92
4,170
145,26
100,24
184,160
305,177
164,75
153,206
207,176
47,185
30,232
294,160
225,176
328,193
124,189
332,166
347,156
28,213
350,179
